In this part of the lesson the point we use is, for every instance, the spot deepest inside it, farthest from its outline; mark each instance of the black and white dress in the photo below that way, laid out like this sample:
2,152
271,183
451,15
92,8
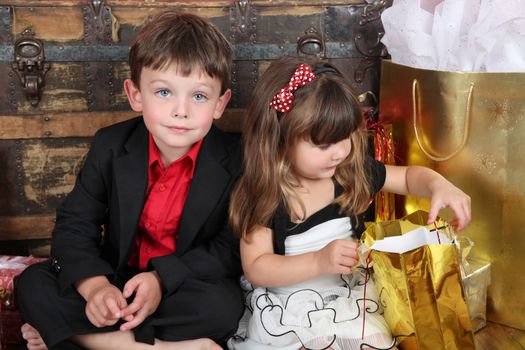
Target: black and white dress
329,311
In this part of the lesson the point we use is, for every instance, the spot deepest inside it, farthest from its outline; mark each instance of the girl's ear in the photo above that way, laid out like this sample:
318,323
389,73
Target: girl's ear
134,95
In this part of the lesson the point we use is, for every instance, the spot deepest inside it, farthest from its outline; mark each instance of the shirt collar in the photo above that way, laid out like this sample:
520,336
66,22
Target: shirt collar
154,154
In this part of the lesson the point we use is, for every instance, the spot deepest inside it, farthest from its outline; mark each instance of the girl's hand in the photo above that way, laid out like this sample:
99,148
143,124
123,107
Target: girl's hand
148,293
337,257
444,195
424,182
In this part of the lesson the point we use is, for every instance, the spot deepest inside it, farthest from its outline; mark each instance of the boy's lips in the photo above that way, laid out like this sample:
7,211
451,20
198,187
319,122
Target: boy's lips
178,129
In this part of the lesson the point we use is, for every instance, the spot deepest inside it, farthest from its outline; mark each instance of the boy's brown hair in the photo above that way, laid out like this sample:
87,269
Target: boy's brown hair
189,41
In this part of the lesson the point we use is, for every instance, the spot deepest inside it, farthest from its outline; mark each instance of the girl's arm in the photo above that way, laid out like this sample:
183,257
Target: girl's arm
263,268
424,182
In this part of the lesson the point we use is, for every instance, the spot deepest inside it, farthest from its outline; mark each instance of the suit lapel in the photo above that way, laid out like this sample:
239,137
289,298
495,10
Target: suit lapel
131,180
207,187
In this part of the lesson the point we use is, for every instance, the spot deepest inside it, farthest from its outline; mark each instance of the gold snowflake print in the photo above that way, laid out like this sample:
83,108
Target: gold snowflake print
484,164
501,115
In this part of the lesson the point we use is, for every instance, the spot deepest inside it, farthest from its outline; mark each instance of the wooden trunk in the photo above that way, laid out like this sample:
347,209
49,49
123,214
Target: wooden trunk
45,132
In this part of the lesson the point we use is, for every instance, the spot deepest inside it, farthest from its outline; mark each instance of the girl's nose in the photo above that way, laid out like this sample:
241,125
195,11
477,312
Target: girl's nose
341,150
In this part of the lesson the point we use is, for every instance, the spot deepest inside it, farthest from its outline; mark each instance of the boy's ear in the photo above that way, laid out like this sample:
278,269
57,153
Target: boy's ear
134,95
221,105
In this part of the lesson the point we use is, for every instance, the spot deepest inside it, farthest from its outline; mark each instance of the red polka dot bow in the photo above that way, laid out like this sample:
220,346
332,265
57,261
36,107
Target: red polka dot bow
302,76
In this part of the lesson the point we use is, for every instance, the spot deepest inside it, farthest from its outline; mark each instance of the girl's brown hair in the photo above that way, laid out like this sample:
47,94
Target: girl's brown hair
326,111
189,41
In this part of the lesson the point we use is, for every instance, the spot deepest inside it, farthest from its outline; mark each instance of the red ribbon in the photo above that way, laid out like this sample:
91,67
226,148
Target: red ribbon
367,277
437,233
302,76
384,152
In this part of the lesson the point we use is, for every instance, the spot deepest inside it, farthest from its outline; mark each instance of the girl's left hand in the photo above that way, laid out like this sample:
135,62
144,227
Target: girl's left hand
446,195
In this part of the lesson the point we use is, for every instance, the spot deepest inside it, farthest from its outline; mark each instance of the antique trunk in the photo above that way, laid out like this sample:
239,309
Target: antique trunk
63,63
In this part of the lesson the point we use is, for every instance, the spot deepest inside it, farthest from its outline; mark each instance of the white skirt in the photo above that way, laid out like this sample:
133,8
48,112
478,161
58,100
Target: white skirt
336,316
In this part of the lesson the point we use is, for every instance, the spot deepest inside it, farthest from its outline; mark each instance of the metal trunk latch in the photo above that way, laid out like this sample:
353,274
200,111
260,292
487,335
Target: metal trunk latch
30,66
311,44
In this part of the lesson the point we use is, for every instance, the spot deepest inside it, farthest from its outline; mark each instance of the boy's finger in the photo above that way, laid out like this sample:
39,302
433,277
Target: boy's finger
113,308
94,313
93,318
121,302
130,287
139,318
130,324
132,308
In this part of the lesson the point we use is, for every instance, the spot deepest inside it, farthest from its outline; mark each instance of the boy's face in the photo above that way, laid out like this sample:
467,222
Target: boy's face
177,110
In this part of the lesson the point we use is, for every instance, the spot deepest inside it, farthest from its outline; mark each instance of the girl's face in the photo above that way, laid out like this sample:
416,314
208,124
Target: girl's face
316,162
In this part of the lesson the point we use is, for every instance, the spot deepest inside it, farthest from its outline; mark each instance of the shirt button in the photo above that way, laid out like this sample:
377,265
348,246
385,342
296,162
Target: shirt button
161,188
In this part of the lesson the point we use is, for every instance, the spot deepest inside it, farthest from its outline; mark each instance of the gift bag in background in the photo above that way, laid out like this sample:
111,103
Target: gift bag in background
10,318
455,110
421,290
476,280
470,128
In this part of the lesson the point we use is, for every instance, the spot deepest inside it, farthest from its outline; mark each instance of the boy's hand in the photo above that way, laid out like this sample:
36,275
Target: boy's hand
337,257
148,293
447,195
104,301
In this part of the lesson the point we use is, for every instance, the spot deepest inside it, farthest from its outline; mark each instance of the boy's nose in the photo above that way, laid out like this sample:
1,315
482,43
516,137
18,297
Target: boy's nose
180,110
180,115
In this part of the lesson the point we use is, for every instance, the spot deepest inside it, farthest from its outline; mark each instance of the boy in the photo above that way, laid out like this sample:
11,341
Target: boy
164,271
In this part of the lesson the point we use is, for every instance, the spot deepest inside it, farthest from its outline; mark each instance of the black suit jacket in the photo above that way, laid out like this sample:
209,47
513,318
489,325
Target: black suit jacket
110,192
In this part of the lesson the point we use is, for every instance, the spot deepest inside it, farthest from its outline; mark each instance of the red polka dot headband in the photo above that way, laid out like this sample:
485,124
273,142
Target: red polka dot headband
302,76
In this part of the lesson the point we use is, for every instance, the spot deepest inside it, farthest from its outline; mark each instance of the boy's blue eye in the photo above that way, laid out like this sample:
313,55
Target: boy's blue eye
199,97
163,93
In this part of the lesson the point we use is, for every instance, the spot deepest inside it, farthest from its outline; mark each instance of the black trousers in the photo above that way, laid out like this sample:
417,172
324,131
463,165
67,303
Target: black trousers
198,309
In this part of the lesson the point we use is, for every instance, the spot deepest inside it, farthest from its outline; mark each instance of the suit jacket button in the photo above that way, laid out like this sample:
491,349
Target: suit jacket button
55,265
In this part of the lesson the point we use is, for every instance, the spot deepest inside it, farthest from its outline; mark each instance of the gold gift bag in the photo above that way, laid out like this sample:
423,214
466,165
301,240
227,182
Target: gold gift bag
421,291
469,127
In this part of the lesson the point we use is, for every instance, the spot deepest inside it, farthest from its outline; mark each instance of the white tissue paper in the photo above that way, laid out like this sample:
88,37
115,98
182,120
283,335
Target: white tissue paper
411,240
456,35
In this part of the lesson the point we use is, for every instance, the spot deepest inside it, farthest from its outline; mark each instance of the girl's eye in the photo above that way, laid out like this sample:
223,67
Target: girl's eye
323,147
163,93
199,97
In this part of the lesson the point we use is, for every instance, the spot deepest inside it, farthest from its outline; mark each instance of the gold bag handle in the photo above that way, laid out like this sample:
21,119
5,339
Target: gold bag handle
416,103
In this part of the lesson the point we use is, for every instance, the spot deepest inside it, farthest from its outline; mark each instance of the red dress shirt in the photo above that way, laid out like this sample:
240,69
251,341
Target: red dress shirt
165,197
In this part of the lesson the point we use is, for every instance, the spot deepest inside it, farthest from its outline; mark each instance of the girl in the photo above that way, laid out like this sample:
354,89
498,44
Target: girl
306,179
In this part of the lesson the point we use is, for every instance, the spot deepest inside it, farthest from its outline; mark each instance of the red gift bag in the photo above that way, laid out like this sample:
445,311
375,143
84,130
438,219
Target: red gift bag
10,319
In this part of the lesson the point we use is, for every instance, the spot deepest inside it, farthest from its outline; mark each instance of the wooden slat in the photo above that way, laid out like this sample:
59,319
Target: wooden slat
84,124
81,124
291,11
26,227
40,18
130,15
186,3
